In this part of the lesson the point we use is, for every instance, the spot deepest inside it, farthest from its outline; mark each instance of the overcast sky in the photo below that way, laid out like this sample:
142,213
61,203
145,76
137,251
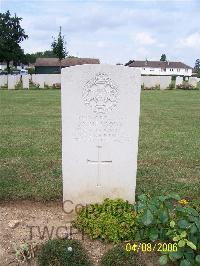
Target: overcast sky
113,31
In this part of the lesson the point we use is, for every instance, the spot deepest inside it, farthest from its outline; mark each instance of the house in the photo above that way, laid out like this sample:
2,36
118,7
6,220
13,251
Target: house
52,65
161,68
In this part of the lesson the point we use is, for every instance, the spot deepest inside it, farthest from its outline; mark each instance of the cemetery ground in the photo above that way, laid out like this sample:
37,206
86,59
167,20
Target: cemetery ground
30,155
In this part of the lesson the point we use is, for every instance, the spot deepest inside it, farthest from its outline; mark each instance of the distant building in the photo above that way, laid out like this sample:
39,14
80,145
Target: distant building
52,65
161,68
3,66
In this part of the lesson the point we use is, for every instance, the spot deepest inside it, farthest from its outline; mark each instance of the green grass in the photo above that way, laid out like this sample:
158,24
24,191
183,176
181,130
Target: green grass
30,144
169,154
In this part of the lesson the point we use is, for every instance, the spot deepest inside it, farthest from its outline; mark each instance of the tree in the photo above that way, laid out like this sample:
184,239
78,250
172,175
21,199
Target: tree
48,54
11,35
197,65
163,57
58,47
31,58
129,62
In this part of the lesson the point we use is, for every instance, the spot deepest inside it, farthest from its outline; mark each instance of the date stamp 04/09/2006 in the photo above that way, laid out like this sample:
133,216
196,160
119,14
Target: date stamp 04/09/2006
151,247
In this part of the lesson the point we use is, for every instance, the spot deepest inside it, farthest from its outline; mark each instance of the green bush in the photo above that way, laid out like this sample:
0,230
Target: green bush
31,71
171,85
113,220
60,252
161,218
170,219
19,86
118,256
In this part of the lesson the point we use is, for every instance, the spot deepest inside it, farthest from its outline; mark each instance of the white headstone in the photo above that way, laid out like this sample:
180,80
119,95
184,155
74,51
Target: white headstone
39,80
5,80
150,81
2,80
179,80
193,81
165,82
100,127
11,82
51,79
33,78
25,81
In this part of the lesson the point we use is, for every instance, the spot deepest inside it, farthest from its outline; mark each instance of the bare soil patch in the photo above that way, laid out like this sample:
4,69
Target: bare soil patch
36,222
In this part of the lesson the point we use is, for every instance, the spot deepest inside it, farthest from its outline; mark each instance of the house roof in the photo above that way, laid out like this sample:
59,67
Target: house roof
157,64
71,61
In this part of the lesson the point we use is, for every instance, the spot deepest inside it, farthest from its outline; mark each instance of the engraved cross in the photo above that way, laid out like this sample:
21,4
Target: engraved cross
99,162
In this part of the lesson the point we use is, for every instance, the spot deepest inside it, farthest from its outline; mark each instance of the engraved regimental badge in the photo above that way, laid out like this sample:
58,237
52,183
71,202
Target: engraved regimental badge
100,94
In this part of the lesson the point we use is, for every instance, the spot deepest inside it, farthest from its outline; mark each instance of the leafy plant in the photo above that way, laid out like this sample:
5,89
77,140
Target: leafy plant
185,231
168,218
118,256
25,252
63,252
153,216
171,86
113,220
18,86
31,71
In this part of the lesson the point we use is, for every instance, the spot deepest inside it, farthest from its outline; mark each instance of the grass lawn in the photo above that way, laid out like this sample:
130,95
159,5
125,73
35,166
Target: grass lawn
30,144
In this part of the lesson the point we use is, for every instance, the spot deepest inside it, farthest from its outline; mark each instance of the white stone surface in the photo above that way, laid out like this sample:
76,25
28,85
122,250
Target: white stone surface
25,81
193,81
11,82
51,79
39,80
47,79
150,81
3,80
100,126
179,80
33,78
17,79
165,82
